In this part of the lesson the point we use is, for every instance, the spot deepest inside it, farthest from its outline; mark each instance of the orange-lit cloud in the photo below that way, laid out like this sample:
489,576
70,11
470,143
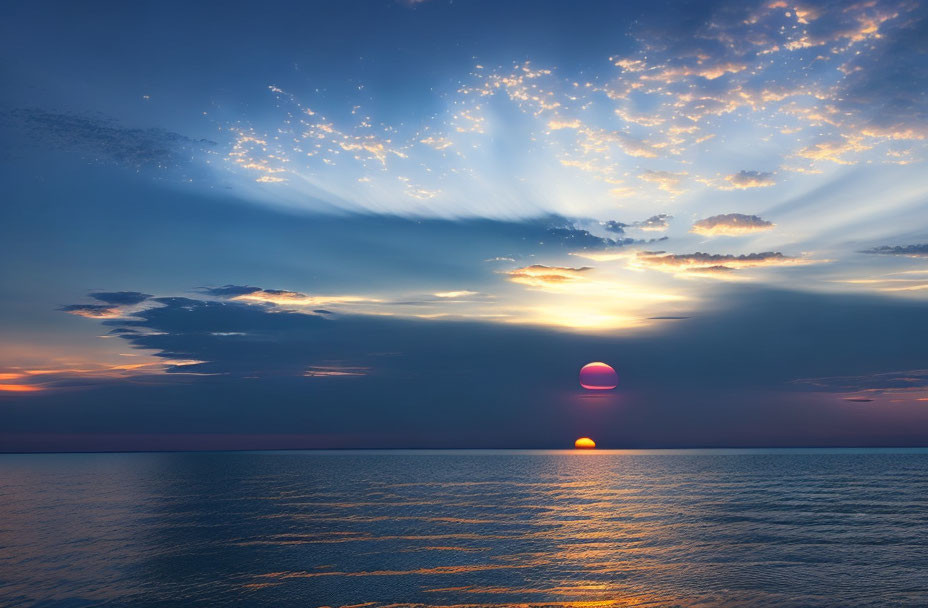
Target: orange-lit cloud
713,265
19,388
707,71
835,150
731,224
748,179
93,311
539,275
667,181
295,298
71,376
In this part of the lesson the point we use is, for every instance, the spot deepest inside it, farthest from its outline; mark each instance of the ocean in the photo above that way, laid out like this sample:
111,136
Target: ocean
842,528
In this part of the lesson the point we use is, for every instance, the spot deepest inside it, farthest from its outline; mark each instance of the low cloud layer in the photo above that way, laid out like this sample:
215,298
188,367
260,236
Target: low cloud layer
234,368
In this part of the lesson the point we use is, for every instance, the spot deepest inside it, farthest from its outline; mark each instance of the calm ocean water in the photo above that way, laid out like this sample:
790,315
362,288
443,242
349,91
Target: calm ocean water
373,529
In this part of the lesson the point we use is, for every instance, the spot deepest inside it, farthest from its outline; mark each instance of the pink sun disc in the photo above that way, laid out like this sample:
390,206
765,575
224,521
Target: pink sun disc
598,376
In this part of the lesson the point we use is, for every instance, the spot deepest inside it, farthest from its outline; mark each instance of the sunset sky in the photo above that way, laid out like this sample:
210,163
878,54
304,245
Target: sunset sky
410,224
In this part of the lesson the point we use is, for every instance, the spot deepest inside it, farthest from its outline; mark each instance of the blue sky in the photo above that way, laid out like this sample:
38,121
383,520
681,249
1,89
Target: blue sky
334,224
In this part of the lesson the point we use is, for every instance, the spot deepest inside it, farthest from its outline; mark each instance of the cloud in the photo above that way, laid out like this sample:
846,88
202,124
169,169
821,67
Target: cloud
255,381
832,77
884,89
914,251
721,273
123,298
835,150
748,179
731,224
616,227
19,388
655,223
667,181
92,311
115,304
463,293
578,237
328,371
885,380
903,385
712,265
281,297
538,275
229,291
100,138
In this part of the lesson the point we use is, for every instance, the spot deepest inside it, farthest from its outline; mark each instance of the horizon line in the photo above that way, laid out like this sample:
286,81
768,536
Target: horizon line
450,449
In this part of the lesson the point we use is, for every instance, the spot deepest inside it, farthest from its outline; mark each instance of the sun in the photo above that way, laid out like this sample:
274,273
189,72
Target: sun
598,376
584,443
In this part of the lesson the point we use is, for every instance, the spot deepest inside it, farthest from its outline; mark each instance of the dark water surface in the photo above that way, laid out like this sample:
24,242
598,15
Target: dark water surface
684,528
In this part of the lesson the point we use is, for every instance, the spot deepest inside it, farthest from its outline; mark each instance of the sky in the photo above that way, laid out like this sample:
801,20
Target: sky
410,224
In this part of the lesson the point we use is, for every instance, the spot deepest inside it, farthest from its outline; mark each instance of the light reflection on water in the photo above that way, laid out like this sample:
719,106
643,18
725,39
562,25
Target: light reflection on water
675,528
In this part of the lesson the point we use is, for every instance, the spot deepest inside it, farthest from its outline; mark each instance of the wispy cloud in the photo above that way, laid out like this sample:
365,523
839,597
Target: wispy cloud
744,180
538,275
666,180
93,311
913,251
282,297
462,293
805,81
902,385
101,139
120,298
